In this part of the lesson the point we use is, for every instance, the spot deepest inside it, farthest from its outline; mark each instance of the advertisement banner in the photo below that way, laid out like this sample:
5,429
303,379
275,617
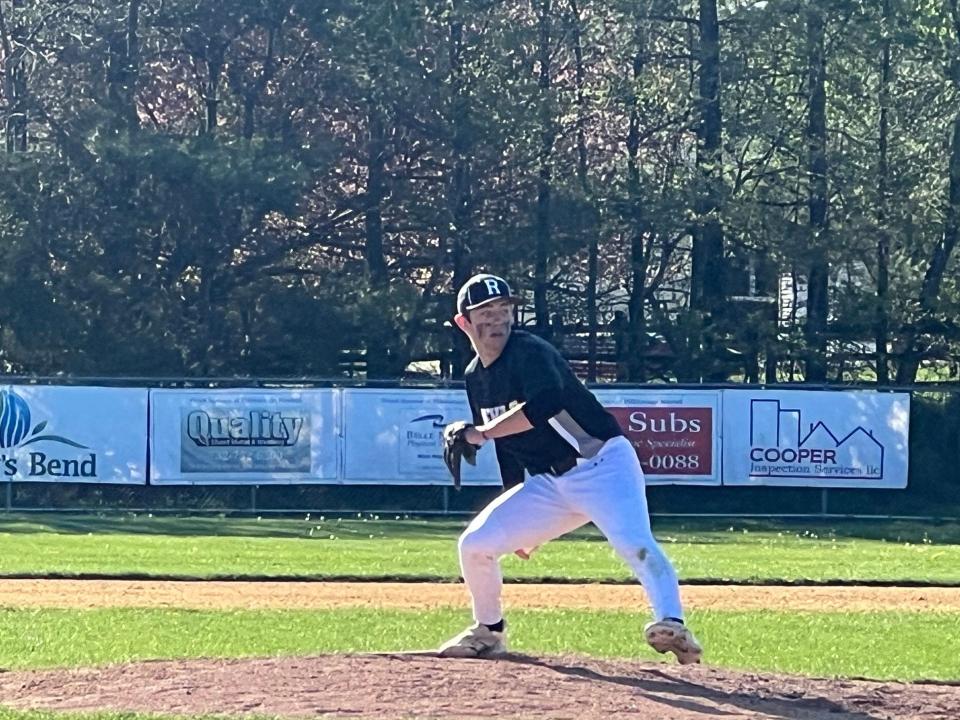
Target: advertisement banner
856,439
243,436
676,434
395,437
73,434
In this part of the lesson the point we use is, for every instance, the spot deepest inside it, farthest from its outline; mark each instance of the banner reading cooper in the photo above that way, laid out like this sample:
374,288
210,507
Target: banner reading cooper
856,439
396,437
675,434
73,434
243,436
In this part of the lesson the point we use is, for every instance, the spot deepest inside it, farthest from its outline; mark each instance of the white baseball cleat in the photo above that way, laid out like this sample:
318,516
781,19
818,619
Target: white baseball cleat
477,641
672,636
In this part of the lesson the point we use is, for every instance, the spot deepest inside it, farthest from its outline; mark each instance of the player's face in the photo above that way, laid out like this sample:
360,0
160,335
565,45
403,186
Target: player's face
491,324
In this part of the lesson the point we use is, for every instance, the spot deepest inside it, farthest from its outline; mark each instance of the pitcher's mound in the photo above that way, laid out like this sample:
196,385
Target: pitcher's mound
419,686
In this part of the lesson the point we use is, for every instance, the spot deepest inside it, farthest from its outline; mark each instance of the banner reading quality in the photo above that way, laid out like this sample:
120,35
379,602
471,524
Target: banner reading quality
816,439
73,434
675,434
395,437
243,436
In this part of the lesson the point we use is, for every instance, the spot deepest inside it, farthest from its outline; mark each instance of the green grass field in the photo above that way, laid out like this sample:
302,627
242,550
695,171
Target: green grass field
321,547
823,644
850,644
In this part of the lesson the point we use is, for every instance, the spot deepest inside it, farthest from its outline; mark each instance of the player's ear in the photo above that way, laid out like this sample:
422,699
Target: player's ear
462,321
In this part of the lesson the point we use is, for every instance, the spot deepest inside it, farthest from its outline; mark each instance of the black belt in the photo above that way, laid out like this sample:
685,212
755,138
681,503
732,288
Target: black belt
563,465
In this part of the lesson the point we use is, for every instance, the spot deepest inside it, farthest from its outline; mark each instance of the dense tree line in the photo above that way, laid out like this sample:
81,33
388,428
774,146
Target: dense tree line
758,190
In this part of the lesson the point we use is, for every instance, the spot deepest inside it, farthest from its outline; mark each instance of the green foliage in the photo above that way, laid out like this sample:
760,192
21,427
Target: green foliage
150,263
273,187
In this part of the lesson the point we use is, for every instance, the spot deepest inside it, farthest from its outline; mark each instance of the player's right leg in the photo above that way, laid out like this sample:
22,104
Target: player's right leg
523,517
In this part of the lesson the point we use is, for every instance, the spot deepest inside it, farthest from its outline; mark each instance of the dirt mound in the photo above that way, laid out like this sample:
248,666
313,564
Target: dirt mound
394,686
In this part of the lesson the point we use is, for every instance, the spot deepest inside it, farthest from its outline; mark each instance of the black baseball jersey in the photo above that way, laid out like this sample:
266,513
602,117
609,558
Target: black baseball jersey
568,421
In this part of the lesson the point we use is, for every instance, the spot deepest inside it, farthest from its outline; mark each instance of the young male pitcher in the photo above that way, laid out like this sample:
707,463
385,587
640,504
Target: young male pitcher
564,462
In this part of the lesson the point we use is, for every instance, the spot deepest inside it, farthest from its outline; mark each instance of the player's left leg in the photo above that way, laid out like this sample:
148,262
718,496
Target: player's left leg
611,491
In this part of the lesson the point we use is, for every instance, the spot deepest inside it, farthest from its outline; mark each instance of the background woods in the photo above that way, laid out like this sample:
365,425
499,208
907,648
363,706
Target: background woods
687,191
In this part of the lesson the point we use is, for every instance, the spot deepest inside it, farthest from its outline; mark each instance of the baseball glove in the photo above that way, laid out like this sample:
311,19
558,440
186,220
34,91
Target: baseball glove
456,448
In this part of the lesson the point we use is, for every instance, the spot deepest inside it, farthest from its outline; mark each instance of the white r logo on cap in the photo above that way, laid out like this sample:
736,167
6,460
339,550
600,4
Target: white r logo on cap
493,287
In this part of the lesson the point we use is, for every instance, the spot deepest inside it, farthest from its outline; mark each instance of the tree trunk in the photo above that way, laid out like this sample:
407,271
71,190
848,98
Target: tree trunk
8,91
461,192
542,232
636,332
881,335
707,286
249,115
593,249
123,69
373,221
461,189
216,54
818,274
378,362
933,278
133,65
14,84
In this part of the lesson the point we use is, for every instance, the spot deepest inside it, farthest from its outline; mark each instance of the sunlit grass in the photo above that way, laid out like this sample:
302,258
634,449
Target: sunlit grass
820,644
374,547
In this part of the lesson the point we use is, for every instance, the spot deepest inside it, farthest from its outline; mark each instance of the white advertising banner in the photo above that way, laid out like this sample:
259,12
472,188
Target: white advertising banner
395,437
676,433
73,434
236,437
855,439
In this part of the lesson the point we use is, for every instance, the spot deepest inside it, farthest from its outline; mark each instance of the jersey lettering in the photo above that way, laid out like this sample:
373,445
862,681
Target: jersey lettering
489,414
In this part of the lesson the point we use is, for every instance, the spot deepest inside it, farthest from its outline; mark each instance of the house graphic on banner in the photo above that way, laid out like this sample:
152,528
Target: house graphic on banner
782,446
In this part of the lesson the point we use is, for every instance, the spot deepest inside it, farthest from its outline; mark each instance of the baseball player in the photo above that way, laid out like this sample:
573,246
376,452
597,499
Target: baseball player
564,462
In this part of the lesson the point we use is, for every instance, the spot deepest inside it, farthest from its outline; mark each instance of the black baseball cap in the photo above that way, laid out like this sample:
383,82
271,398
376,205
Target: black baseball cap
482,289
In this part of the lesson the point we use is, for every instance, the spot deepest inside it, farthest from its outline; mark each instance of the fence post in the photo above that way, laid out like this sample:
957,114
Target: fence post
253,499
9,496
823,502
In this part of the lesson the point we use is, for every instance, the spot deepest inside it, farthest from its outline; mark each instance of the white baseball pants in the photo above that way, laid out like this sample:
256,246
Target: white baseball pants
608,489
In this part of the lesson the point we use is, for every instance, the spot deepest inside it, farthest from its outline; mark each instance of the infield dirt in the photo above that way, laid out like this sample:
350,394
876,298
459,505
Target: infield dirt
393,687
319,595
398,686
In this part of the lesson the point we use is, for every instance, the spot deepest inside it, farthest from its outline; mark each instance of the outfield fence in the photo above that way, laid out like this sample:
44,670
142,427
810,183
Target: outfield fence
403,474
